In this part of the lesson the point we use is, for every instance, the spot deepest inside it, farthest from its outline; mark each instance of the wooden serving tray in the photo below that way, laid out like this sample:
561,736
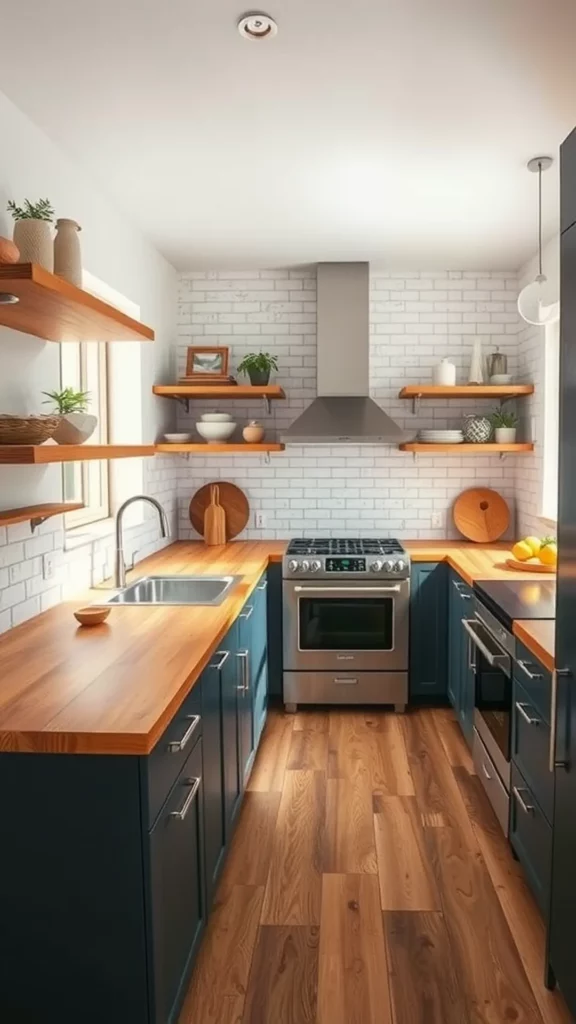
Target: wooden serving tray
513,563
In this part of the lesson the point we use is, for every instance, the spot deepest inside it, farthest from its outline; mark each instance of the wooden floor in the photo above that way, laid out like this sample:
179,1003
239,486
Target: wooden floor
369,883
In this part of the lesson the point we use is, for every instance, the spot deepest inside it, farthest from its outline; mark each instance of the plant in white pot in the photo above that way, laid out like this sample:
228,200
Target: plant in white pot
33,232
76,425
504,424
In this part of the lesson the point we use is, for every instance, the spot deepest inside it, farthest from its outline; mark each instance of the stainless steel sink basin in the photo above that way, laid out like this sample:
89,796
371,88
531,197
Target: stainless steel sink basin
206,590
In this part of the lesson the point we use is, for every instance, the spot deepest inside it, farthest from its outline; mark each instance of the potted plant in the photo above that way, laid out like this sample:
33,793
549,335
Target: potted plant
33,232
76,425
257,365
504,424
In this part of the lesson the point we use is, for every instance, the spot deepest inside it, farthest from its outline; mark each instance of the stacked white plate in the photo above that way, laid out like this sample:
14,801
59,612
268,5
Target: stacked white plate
441,436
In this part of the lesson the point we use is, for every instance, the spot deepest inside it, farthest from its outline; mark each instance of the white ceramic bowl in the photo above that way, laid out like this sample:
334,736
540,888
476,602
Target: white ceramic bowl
501,378
216,432
177,438
216,417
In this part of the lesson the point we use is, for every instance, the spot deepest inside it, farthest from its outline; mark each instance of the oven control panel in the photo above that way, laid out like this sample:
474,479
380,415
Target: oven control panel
345,565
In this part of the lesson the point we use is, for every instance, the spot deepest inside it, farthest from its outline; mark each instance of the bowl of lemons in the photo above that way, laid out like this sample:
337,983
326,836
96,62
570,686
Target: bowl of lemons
535,554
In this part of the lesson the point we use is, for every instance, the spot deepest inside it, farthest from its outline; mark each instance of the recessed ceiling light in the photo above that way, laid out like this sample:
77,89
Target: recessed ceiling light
257,26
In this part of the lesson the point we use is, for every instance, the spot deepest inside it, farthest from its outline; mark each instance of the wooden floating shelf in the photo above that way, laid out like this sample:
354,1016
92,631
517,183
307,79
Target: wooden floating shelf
269,391
223,449
466,449
42,454
498,391
54,310
36,514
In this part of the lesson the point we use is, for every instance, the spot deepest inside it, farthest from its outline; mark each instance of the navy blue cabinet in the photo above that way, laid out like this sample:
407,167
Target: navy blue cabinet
568,192
275,638
213,774
233,783
461,680
428,631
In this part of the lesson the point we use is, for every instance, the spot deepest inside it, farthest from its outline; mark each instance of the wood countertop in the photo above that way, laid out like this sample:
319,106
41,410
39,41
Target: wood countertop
112,689
538,635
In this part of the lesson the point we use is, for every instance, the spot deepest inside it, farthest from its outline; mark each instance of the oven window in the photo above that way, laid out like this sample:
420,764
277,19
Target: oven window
494,701
346,624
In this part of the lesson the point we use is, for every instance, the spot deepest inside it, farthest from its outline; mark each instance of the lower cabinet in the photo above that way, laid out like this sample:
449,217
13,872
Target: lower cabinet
461,681
531,838
428,631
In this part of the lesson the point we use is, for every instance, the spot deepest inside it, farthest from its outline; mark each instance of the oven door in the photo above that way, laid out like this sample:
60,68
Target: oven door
492,665
349,625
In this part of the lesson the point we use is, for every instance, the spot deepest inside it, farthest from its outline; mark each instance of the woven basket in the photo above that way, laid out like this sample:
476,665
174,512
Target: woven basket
27,429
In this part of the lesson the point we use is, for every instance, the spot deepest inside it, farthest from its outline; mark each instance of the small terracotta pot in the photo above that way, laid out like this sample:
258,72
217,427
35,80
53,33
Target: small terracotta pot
253,432
9,253
34,240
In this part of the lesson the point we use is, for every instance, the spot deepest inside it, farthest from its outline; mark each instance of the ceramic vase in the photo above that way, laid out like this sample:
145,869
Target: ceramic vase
75,428
67,255
476,375
477,429
9,253
253,432
505,435
34,240
444,374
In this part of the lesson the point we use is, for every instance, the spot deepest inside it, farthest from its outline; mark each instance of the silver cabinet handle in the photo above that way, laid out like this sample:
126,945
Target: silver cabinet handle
527,718
347,590
526,670
486,772
346,682
223,655
457,585
244,656
552,762
496,659
527,808
262,586
247,614
175,746
181,814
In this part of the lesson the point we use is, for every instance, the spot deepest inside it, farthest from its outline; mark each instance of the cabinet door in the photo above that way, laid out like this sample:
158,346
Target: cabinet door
467,688
259,648
213,774
247,673
459,599
428,631
274,624
568,182
260,703
230,746
177,900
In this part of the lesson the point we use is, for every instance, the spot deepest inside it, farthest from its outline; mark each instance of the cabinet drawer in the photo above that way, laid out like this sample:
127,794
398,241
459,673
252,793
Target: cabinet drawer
530,748
535,679
531,838
491,781
162,766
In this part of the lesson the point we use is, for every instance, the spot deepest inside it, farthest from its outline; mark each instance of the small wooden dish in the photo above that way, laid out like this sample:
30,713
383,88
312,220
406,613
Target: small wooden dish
91,616
530,566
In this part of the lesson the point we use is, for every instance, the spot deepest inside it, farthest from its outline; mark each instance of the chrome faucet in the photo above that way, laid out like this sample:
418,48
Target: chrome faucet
164,532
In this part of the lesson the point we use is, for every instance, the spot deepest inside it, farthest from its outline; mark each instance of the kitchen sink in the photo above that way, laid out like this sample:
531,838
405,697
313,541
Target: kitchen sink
206,590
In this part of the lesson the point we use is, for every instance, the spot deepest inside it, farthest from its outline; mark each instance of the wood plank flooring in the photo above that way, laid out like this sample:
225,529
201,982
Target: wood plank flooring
369,883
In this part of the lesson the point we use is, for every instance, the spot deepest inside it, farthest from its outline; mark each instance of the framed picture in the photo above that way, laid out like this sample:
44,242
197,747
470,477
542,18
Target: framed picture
206,362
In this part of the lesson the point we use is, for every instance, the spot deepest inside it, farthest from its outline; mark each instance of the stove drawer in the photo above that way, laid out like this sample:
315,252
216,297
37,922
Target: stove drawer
491,782
346,688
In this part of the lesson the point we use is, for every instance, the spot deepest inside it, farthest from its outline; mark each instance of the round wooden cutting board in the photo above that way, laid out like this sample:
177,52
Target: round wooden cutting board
233,501
481,515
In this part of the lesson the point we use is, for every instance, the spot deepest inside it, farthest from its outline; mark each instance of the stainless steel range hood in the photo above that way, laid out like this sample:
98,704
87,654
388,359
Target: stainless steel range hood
343,413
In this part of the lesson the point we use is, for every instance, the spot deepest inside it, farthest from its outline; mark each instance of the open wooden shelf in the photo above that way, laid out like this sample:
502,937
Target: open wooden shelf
466,449
52,309
36,514
227,391
498,391
222,449
42,454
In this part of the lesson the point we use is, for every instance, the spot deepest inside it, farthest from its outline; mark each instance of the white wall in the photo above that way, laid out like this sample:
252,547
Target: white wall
114,251
416,319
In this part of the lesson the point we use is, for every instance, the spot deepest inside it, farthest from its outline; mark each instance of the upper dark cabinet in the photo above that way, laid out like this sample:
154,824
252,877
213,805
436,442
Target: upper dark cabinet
568,182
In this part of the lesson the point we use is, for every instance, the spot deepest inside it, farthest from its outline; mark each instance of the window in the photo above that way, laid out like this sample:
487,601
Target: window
84,367
549,503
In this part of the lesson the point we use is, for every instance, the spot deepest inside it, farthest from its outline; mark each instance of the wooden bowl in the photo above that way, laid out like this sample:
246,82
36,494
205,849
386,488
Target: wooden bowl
91,616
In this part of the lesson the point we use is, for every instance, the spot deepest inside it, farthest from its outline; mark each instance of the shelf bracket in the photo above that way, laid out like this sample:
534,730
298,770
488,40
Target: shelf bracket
266,458
184,401
267,406
416,404
503,456
37,521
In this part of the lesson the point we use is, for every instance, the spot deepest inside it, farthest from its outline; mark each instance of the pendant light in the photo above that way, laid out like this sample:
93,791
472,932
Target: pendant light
532,304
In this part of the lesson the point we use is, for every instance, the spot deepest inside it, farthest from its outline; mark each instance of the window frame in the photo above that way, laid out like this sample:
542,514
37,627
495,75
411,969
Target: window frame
92,512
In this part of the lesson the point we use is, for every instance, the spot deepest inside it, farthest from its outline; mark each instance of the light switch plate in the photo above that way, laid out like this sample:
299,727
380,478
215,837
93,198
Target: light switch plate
260,520
436,520
48,566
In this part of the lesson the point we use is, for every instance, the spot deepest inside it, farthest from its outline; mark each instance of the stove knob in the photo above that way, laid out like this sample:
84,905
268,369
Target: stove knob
399,566
388,566
293,565
305,566
376,565
316,565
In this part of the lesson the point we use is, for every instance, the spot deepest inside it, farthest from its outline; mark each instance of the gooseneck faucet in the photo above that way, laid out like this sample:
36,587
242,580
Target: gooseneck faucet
164,532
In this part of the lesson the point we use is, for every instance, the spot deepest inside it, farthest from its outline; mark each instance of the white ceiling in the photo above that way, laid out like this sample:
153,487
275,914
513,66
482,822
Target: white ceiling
367,129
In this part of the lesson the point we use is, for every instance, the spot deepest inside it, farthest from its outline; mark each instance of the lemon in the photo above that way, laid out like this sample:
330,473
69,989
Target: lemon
522,551
534,543
548,553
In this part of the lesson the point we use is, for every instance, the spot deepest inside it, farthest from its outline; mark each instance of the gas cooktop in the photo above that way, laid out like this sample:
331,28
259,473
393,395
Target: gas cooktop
349,557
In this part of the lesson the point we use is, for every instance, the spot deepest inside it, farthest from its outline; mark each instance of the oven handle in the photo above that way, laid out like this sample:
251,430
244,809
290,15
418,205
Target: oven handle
347,590
501,661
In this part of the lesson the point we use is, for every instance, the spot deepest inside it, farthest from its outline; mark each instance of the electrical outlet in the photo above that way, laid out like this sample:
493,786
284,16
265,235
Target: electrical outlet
436,520
260,520
48,566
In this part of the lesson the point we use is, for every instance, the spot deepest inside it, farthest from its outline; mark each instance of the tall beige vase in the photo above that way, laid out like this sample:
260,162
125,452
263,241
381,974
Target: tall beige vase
34,240
67,256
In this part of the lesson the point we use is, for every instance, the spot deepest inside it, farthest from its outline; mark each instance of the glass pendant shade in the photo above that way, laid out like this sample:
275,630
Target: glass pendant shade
533,305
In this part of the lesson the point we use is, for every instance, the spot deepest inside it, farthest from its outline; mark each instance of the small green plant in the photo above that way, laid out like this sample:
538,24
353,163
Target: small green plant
258,362
499,418
42,210
68,400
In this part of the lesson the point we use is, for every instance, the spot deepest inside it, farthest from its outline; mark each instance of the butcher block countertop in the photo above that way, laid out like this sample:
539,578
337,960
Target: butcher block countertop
112,689
538,635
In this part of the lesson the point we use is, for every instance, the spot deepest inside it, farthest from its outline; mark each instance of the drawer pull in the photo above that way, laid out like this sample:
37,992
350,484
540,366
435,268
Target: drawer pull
248,613
223,655
262,586
346,682
527,718
527,808
181,814
245,685
526,670
175,746
552,762
486,772
457,586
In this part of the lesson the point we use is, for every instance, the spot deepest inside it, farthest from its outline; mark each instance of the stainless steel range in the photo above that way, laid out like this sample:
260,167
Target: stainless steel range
345,610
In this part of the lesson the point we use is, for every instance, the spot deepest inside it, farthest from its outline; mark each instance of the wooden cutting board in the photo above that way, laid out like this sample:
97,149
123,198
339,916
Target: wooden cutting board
481,515
231,498
530,566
